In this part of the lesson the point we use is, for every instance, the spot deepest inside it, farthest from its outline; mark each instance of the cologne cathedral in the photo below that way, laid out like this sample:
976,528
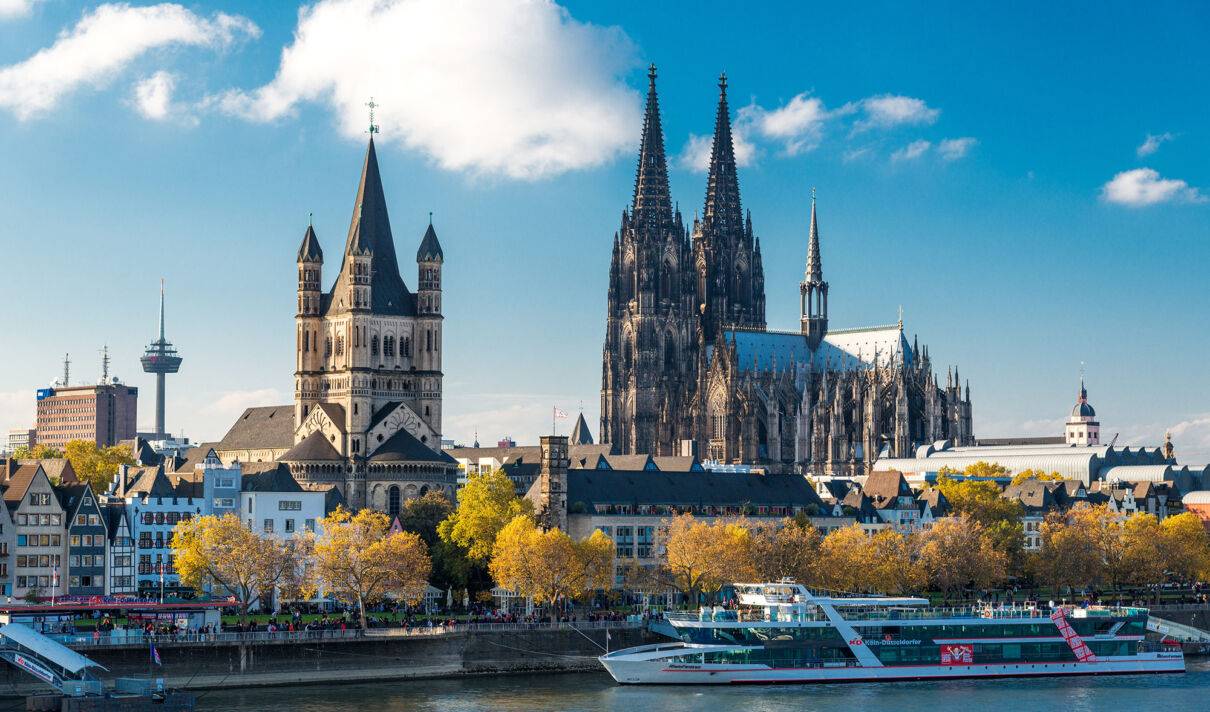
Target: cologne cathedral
689,365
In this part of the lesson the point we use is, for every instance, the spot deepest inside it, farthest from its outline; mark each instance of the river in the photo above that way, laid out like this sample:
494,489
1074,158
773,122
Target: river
597,692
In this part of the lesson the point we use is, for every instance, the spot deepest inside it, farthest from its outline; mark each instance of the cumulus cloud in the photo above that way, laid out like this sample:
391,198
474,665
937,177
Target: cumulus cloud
912,151
153,96
695,156
519,89
1151,144
10,9
951,149
890,110
798,124
1191,438
102,44
1142,187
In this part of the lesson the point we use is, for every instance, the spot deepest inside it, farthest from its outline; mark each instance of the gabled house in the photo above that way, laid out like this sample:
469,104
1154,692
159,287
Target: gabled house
38,520
933,506
893,499
87,541
120,576
1037,499
154,506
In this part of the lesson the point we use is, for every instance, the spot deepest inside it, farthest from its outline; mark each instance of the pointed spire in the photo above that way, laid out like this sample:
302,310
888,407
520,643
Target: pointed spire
580,434
430,248
652,206
370,233
723,211
814,272
309,250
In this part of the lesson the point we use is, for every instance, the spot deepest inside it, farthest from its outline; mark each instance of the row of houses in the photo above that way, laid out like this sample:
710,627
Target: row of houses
59,538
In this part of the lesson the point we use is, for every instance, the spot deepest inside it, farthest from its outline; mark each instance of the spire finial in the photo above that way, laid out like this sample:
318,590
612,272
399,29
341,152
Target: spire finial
373,126
722,84
651,74
310,219
430,218
812,195
901,317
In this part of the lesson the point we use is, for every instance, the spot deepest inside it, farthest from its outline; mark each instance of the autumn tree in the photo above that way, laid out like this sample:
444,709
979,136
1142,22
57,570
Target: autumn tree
845,558
549,566
424,515
222,553
97,465
1185,546
1078,547
701,558
37,452
359,560
955,554
790,548
486,505
894,567
1039,475
1141,559
983,502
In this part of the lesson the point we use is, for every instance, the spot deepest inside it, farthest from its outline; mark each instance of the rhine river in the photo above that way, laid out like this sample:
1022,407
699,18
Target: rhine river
597,692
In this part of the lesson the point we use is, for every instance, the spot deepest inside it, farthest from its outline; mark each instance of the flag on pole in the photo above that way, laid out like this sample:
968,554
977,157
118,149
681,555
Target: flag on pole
560,413
155,656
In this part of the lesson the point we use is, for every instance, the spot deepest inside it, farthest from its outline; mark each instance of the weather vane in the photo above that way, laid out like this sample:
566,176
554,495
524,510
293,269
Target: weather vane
373,126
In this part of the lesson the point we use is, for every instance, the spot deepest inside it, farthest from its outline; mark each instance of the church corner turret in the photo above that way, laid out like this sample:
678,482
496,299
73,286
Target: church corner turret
813,291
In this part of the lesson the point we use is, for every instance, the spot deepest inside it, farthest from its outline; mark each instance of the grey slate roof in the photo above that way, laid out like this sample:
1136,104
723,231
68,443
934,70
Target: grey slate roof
592,487
678,464
315,447
430,247
264,427
277,479
404,447
309,250
195,457
580,434
370,230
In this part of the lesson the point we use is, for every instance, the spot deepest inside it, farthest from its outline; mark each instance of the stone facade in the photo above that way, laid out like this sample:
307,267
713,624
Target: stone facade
368,378
689,364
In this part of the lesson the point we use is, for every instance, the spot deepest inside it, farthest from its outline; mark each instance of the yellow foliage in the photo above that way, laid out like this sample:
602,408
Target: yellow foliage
1040,475
97,465
702,558
1186,547
547,565
957,552
787,549
222,553
359,560
486,504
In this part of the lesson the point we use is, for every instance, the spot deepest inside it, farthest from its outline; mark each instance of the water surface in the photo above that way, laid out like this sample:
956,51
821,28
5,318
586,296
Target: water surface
598,692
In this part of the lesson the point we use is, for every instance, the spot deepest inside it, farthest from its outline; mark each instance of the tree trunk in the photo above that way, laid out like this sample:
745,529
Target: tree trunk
361,611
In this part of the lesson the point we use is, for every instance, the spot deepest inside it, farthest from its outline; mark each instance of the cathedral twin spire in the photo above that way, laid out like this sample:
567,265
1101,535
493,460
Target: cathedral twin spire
652,207
722,211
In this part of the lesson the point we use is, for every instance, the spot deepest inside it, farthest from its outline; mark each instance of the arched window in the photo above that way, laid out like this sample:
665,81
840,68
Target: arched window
669,352
340,345
428,340
393,501
374,345
407,346
328,346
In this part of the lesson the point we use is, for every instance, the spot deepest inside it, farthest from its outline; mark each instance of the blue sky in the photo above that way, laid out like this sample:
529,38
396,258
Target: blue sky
988,169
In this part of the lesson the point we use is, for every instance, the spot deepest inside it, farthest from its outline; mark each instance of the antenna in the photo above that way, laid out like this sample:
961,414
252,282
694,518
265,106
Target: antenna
66,370
105,363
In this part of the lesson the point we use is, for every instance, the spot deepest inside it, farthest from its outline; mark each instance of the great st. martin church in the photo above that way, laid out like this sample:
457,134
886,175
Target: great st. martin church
687,356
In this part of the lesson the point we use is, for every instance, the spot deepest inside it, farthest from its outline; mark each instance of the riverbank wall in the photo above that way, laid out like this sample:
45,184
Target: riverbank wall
379,656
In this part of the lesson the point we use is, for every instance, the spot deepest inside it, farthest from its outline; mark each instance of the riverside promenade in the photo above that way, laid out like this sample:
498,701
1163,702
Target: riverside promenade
193,661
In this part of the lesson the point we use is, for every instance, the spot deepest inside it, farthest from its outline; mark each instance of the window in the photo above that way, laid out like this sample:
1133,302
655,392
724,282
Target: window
268,526
75,539
289,505
40,499
224,503
81,519
22,519
249,505
393,500
20,540
226,482
93,520
309,525
289,526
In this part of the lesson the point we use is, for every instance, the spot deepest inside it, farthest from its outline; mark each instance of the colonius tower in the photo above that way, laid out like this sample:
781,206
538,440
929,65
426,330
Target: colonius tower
368,378
688,358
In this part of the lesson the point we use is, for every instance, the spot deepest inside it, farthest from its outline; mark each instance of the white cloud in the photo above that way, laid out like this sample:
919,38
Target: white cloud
519,89
1152,143
695,156
1191,439
912,151
798,124
1141,187
230,404
153,96
951,149
103,43
10,9
890,110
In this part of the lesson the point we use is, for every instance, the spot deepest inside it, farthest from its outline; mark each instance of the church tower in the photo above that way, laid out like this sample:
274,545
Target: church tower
726,257
813,291
308,323
429,259
649,352
1082,427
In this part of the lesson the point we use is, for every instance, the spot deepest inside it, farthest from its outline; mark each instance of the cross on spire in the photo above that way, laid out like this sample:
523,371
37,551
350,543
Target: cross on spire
373,126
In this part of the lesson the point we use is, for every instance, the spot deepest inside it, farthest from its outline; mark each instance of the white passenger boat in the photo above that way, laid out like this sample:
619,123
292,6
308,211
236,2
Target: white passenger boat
781,632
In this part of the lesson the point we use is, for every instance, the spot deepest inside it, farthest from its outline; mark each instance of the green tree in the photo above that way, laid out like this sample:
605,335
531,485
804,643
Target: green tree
1040,475
423,516
486,505
97,465
982,501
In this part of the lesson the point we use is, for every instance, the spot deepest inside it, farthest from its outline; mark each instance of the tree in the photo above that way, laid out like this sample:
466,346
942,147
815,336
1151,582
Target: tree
423,515
97,465
1141,560
37,452
791,549
360,561
547,565
845,559
486,504
1185,547
985,469
1078,548
1040,475
983,502
701,558
956,553
894,568
220,552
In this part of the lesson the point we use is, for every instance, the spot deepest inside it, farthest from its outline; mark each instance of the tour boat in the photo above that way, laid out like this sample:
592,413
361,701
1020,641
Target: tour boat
781,632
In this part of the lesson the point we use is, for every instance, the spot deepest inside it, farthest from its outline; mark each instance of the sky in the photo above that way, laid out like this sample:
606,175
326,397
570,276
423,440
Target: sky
1031,185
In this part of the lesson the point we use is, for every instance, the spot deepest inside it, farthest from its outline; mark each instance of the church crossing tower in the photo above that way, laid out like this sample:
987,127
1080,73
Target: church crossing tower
813,292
